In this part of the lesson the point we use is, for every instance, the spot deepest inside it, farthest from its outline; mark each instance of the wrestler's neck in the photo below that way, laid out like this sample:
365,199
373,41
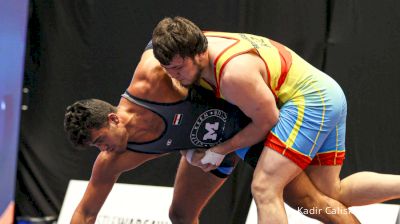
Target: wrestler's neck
207,68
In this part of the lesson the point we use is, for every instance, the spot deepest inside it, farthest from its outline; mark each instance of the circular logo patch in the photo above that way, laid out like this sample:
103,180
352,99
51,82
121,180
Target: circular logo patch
208,129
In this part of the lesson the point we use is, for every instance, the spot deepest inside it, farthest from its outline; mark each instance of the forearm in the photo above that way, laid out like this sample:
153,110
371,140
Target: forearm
252,134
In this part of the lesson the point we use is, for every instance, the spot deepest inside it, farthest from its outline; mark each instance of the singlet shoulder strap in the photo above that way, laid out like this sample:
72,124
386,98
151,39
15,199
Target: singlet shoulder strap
238,47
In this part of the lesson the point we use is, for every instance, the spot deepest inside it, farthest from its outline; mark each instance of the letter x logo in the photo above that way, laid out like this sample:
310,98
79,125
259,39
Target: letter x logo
211,128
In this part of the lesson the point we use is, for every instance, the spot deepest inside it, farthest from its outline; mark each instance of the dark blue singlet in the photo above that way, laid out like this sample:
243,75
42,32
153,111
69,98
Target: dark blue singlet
199,121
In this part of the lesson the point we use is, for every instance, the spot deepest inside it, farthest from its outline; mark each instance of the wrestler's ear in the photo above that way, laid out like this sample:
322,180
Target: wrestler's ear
204,54
199,58
113,118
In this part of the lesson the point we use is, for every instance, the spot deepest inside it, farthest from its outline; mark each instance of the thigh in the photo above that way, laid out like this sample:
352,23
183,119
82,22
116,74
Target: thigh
274,170
298,190
325,178
193,188
301,193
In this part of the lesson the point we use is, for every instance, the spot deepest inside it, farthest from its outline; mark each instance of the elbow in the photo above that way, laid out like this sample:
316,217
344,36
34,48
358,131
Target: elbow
271,120
265,120
274,117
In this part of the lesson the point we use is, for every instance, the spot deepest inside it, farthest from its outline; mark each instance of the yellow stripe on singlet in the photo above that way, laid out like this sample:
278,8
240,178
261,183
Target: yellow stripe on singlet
300,103
322,119
292,149
333,150
237,48
205,85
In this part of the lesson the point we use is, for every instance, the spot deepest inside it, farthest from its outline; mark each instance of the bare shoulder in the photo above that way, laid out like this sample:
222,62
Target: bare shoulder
147,73
244,68
151,81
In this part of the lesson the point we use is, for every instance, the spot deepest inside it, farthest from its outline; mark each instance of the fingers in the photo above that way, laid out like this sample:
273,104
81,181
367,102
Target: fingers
205,167
194,157
208,167
197,162
211,157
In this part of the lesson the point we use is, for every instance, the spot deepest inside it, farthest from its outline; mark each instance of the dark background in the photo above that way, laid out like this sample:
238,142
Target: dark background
89,49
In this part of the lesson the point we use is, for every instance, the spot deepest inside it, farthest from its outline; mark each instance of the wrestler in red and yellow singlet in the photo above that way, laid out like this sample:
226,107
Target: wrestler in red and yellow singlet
312,120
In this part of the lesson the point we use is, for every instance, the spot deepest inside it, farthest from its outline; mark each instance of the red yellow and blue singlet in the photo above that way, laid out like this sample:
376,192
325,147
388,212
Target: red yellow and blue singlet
312,120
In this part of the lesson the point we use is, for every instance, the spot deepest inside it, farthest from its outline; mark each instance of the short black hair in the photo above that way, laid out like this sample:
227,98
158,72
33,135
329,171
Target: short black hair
83,116
177,36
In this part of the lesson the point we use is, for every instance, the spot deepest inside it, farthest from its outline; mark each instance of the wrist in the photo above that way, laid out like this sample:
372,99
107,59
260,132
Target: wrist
223,148
213,158
218,150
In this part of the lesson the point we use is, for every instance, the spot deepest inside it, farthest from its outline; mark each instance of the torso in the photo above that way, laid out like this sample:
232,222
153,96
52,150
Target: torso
282,70
149,82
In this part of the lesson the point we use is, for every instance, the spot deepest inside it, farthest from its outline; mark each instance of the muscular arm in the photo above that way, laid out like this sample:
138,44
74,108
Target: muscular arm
106,170
152,82
242,84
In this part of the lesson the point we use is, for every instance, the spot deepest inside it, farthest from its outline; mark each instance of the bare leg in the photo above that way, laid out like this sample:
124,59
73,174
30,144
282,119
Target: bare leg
368,187
301,194
273,172
358,189
193,188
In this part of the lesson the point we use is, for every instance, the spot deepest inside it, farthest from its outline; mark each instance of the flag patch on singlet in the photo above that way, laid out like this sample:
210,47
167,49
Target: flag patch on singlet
177,119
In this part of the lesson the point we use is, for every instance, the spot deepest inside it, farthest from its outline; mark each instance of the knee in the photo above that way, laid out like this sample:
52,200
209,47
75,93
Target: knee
180,216
333,191
264,189
296,201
